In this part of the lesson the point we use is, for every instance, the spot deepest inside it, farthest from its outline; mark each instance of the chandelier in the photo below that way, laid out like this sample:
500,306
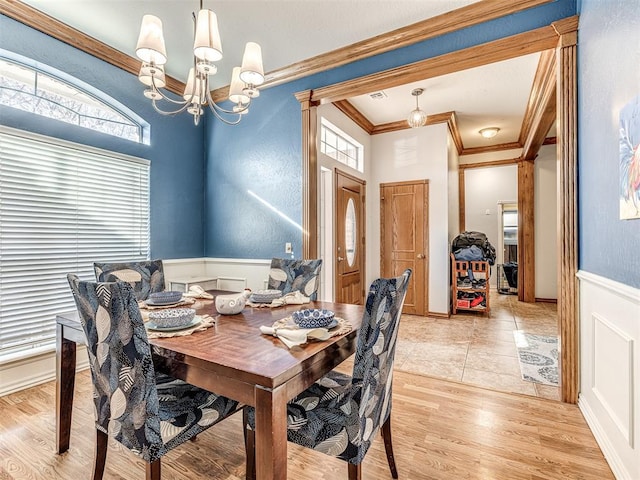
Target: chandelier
417,118
207,49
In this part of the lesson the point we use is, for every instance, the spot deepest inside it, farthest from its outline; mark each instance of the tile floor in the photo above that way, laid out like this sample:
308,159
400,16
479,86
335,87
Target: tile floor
475,349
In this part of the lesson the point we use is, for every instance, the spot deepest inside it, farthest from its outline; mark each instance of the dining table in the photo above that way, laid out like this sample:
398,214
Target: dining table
231,358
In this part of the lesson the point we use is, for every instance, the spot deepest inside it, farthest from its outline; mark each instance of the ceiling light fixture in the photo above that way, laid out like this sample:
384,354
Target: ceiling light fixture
417,118
489,132
207,48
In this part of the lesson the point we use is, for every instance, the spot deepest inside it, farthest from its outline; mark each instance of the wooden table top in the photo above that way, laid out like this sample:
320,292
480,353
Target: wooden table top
236,346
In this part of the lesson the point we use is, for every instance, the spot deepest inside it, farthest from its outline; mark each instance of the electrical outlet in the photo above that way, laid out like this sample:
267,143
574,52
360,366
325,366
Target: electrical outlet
287,248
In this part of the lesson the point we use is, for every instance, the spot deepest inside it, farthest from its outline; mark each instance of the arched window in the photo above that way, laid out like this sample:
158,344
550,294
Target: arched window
56,95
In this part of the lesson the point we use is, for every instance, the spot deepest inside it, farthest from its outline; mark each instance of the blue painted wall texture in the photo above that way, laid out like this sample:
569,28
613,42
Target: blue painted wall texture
264,155
176,151
608,78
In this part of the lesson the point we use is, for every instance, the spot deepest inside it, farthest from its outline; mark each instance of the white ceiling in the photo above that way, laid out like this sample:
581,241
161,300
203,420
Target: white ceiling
294,30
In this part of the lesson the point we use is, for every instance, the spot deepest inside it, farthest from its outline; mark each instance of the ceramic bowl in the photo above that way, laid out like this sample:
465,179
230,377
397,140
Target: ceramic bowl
265,296
168,296
172,317
313,318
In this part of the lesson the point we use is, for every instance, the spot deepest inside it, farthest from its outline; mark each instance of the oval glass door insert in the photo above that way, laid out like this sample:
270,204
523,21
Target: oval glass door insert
350,232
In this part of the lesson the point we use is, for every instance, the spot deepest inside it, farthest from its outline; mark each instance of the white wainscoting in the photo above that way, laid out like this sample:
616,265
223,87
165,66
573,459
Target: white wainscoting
32,370
233,274
610,369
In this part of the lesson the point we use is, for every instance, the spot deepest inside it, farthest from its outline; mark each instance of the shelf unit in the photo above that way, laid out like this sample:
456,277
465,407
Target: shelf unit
463,293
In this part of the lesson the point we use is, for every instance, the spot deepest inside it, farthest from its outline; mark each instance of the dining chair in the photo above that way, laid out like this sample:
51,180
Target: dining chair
145,277
339,415
288,275
148,412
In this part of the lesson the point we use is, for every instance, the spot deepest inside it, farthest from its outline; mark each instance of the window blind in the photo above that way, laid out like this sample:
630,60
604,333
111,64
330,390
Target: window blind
62,207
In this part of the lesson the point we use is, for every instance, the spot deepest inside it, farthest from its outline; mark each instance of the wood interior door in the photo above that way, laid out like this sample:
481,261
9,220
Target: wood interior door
404,238
349,238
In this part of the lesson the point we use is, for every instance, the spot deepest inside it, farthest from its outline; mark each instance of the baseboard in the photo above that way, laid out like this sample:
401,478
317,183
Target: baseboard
613,459
31,371
547,300
437,315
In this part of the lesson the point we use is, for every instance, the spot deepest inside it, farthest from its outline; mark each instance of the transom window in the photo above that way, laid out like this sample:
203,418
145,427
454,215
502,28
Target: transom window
32,90
341,147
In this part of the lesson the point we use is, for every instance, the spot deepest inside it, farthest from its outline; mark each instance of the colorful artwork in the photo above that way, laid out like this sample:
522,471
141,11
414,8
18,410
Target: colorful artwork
630,160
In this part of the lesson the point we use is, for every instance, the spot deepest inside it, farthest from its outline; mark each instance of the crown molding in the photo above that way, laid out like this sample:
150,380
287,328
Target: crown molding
346,107
473,14
44,23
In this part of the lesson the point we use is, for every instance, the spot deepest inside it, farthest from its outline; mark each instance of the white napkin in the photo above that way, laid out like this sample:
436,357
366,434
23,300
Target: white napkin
196,291
292,298
292,337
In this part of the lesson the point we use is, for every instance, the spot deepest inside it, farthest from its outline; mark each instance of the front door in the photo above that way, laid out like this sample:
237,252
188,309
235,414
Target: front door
404,239
350,238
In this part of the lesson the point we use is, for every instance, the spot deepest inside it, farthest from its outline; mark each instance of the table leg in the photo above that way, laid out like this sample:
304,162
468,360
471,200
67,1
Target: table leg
65,382
271,433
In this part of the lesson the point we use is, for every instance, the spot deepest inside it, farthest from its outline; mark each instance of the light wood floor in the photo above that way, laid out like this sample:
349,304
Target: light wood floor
477,349
442,430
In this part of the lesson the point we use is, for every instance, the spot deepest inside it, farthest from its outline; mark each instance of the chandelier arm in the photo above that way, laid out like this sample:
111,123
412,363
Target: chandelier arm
184,106
213,106
165,97
224,120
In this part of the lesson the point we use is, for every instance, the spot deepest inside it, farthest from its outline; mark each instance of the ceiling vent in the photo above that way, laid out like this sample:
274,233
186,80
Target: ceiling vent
378,95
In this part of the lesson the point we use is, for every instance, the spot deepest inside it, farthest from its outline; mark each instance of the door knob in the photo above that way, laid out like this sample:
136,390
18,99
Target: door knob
420,256
340,259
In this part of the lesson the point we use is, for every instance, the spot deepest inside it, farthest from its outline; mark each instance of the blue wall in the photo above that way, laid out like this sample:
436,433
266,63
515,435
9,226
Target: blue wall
264,155
176,151
608,78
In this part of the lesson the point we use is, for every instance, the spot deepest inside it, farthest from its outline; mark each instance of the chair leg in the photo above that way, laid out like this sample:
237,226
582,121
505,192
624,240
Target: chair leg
153,470
355,472
249,447
102,440
388,447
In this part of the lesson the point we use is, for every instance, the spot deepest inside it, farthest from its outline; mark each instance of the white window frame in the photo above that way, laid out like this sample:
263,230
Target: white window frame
337,144
62,206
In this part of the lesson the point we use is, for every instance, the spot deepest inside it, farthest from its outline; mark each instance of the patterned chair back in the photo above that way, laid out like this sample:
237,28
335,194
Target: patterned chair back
125,393
375,351
289,275
145,277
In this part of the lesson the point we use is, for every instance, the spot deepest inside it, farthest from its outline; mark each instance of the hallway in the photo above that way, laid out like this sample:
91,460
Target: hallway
475,349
